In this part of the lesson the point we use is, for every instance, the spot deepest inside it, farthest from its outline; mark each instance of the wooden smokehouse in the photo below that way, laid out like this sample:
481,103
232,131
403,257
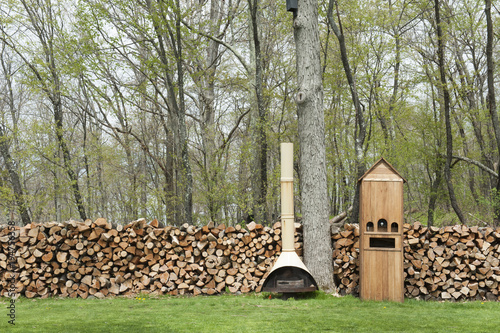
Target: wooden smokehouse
381,233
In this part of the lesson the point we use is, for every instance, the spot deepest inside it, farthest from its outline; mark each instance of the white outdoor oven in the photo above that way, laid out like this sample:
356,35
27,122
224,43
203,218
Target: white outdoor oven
289,274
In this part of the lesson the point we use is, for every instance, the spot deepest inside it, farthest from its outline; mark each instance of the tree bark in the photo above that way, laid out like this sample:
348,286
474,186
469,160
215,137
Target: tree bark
492,102
446,102
311,124
187,176
207,107
260,137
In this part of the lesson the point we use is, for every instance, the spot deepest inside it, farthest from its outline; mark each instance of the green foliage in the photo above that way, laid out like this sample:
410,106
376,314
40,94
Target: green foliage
122,130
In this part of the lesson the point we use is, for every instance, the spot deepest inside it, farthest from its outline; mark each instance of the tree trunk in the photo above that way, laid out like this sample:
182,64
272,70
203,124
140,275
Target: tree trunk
44,28
492,102
360,130
187,176
207,93
468,97
58,119
175,102
311,124
435,183
5,146
446,101
14,178
260,120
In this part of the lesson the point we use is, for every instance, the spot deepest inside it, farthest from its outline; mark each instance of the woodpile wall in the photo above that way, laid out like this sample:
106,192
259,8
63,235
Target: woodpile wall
75,259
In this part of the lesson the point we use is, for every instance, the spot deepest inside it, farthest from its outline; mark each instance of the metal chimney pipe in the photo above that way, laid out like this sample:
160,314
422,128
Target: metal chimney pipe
287,214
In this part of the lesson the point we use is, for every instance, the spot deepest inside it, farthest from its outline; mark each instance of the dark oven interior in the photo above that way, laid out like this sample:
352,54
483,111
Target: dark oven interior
289,279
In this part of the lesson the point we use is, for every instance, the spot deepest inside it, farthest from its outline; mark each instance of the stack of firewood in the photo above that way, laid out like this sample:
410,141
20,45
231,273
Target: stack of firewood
93,258
76,259
345,259
452,263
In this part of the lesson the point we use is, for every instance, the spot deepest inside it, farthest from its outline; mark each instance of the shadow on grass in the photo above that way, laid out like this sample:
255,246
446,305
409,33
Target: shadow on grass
317,295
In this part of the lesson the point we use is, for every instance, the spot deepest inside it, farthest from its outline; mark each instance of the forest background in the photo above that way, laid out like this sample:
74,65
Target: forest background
175,109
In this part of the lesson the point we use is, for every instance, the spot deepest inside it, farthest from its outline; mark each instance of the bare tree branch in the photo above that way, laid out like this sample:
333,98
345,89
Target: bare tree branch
229,47
478,164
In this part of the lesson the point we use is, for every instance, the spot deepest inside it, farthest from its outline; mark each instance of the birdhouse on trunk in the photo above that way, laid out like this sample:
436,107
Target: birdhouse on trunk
381,233
291,5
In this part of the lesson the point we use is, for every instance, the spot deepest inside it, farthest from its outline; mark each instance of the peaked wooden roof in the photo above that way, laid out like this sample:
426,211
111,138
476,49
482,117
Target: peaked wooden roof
379,167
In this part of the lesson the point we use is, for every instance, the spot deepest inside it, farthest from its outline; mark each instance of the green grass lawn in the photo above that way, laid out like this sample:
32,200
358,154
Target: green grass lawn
248,313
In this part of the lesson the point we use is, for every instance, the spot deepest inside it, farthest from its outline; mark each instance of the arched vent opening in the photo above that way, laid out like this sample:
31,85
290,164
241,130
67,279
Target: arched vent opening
382,225
369,226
